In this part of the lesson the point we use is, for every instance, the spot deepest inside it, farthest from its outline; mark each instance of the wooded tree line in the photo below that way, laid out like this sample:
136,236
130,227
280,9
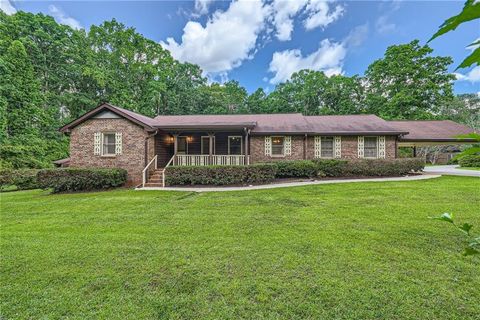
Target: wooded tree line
51,74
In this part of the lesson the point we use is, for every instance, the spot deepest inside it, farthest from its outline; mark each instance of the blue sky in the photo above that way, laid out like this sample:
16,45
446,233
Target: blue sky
260,43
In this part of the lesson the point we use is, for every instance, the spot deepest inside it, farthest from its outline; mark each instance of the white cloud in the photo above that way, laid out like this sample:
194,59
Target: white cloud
201,6
284,11
383,26
7,7
228,38
472,76
328,58
63,18
320,15
357,36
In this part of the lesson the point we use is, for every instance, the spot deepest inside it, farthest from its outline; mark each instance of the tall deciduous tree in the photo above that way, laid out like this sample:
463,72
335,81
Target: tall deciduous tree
408,83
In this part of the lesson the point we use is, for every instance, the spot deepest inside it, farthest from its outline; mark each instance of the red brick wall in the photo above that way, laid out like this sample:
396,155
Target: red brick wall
133,147
349,148
257,150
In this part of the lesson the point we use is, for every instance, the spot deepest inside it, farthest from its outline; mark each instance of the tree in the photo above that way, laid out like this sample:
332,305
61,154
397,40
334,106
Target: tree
465,108
20,92
408,83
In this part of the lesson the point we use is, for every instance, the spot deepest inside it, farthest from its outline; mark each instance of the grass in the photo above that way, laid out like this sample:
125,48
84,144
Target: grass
345,251
469,168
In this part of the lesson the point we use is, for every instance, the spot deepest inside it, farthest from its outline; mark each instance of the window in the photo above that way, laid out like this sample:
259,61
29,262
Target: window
370,147
206,145
108,144
235,145
182,145
327,148
278,146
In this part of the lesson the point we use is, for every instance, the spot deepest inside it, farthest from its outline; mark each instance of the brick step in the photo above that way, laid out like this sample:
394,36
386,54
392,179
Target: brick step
157,176
154,181
150,184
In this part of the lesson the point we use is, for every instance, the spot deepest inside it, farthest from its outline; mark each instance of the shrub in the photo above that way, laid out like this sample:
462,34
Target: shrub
71,179
469,161
220,175
383,167
22,179
296,168
331,167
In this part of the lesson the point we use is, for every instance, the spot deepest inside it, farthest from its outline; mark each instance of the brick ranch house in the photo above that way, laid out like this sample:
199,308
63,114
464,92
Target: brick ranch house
109,136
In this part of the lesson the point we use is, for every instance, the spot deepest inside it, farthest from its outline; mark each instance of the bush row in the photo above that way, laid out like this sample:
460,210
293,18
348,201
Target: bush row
347,168
220,175
71,179
470,161
22,179
267,172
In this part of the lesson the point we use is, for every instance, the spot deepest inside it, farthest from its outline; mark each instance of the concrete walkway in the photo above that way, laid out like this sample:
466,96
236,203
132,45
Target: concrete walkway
453,170
292,184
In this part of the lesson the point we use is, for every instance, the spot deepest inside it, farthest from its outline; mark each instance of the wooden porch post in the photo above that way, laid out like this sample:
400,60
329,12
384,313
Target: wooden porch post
210,147
247,159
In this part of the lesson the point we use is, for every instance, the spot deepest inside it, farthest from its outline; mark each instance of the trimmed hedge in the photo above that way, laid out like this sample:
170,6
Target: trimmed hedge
296,168
22,179
220,175
383,167
470,161
71,179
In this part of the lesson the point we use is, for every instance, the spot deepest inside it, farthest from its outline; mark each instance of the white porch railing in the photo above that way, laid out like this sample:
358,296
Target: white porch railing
191,160
205,160
228,160
145,171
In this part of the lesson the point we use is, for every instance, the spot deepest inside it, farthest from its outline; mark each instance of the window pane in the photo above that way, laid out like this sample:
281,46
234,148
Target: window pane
370,147
327,147
277,145
108,143
235,145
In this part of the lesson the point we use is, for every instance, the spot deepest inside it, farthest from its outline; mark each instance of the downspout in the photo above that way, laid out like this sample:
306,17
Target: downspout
305,146
146,146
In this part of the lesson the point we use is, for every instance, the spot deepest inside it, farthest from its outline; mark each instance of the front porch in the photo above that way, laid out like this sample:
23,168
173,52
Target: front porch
195,148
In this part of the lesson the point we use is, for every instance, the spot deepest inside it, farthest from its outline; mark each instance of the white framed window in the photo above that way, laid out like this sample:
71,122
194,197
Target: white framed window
278,146
370,147
205,144
235,145
327,148
109,143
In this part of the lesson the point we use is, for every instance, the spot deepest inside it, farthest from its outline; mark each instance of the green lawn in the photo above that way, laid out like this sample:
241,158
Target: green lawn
344,251
469,168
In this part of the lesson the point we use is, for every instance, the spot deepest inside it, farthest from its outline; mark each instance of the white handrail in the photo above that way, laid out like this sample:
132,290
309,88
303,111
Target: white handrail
144,172
163,171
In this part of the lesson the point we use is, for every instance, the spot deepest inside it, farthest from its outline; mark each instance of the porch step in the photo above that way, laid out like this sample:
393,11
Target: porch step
156,185
155,178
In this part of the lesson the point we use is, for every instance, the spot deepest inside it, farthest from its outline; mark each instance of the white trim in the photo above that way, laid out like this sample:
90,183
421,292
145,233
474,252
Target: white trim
268,146
201,144
97,149
381,146
118,143
361,146
287,145
317,147
241,144
337,147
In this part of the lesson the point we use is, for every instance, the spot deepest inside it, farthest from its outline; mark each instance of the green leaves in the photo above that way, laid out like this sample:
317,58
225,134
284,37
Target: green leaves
471,11
473,247
445,217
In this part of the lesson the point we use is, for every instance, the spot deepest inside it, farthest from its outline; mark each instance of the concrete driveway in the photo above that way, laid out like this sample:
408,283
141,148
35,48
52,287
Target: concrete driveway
452,170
